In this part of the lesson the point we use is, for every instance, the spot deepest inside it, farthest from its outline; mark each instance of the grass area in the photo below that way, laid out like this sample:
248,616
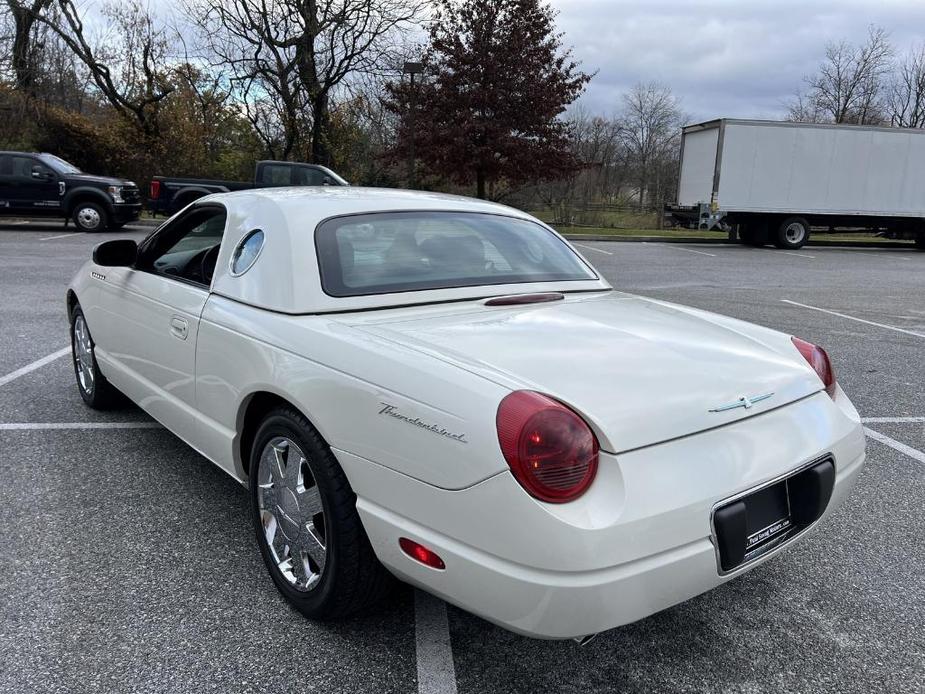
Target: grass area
661,233
718,235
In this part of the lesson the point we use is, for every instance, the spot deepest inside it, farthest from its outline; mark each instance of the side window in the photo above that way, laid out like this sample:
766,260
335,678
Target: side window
188,248
6,166
308,176
23,167
276,174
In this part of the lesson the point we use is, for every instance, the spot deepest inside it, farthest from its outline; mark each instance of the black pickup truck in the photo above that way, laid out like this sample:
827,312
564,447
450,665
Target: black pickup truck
42,185
167,195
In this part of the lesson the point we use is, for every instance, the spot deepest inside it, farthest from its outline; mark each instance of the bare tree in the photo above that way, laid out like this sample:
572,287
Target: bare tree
290,56
650,125
906,92
128,69
850,84
24,53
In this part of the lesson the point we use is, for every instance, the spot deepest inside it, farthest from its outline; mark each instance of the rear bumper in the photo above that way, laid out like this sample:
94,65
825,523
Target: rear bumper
638,542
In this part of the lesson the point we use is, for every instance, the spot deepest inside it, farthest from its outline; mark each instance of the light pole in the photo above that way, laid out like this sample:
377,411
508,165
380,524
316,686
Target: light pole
412,69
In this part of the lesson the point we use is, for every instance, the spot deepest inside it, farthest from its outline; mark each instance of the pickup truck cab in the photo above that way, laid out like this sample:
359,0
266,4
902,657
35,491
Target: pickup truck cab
169,195
43,185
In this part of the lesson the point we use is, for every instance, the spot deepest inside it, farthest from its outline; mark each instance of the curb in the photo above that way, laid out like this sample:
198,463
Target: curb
726,242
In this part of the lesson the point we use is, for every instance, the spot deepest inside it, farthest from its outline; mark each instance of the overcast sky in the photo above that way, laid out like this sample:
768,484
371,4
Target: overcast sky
731,58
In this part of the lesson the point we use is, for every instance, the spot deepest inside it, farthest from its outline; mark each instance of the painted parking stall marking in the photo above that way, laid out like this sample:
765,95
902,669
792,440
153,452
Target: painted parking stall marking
859,320
37,364
52,426
591,248
62,236
436,672
895,445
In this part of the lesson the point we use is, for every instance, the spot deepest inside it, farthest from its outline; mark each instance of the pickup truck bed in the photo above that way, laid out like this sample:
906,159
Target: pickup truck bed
169,194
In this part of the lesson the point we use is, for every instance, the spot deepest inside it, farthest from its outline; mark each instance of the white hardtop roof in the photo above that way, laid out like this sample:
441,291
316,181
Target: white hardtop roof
286,279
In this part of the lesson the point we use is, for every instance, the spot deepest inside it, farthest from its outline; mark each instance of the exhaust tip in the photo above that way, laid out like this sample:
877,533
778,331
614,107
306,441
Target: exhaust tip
584,640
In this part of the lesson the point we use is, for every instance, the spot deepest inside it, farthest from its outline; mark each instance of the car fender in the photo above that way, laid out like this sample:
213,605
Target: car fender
74,195
188,194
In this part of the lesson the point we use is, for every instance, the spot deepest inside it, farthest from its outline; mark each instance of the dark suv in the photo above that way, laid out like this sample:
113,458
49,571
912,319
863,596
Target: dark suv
43,185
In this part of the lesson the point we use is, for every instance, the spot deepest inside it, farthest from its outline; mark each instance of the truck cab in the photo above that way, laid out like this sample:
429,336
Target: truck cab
36,184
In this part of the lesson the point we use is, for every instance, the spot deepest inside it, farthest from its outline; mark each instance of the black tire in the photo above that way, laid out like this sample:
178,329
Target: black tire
352,577
792,234
90,217
95,390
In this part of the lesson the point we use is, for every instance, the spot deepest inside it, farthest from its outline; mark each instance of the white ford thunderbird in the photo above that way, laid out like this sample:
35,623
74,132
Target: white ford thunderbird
443,389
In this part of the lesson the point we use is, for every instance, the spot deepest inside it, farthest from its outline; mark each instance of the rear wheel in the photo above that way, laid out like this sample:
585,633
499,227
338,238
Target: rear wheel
95,390
90,217
307,525
792,234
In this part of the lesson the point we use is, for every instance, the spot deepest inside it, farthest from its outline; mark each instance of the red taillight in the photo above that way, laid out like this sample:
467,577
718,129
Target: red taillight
551,450
420,553
819,360
155,190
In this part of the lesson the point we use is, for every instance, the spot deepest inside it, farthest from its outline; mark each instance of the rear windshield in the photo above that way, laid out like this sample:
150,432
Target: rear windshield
411,251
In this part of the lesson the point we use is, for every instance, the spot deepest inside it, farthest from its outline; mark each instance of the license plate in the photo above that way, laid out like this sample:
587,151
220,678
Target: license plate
767,514
754,523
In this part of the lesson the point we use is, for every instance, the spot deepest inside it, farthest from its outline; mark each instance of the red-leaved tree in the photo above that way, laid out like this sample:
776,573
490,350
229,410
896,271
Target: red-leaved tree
496,81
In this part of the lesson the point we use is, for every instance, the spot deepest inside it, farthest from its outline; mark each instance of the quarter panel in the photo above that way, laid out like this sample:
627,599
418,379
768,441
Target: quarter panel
381,401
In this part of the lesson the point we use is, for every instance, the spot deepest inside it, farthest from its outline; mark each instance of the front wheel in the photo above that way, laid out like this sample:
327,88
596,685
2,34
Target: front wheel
307,525
90,217
792,234
95,390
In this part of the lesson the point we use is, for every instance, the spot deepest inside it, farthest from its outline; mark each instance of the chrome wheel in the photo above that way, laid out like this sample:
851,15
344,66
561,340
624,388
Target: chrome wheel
795,232
88,218
83,355
291,513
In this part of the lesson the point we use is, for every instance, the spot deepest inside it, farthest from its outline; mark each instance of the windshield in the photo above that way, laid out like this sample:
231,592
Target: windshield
58,164
410,251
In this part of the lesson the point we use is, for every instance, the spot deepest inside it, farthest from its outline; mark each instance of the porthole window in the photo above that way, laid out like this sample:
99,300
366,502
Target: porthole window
246,253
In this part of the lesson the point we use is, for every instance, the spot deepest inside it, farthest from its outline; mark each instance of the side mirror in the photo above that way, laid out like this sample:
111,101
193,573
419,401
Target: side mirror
40,175
118,253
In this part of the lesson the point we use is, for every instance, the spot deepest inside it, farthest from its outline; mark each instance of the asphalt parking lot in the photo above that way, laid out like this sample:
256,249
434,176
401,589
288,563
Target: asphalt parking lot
128,562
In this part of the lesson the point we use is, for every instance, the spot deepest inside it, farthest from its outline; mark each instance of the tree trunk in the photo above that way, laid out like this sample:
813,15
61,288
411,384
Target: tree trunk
480,183
321,123
21,59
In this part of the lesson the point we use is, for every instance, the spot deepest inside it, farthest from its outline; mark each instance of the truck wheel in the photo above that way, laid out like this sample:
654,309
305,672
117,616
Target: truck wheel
792,234
90,217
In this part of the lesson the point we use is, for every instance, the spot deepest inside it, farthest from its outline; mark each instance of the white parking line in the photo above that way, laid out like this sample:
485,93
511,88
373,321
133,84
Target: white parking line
42,426
872,255
62,236
38,364
798,255
896,445
436,673
690,250
893,420
859,320
591,248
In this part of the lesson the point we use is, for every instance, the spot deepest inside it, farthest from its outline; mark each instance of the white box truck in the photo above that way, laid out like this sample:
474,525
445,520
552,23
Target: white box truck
773,181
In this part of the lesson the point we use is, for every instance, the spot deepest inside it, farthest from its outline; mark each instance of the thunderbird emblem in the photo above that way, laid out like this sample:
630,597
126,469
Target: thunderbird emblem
743,402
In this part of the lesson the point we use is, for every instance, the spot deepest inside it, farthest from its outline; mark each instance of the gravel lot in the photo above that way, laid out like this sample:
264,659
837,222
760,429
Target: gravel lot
128,562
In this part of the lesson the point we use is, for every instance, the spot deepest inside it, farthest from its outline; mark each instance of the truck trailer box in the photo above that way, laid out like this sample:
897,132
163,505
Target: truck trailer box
758,174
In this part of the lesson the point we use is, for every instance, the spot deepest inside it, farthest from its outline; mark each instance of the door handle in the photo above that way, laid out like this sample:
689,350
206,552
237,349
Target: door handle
179,327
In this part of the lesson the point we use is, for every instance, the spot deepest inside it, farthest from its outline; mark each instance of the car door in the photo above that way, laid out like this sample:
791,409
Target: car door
148,317
34,188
